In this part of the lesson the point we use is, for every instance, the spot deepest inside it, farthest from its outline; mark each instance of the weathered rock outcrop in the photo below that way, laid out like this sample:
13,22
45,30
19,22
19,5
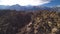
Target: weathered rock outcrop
39,22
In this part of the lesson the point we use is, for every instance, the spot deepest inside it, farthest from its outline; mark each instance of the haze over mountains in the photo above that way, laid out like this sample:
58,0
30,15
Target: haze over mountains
18,7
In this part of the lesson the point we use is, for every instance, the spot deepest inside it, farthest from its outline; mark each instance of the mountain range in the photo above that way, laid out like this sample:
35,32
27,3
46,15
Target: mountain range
25,8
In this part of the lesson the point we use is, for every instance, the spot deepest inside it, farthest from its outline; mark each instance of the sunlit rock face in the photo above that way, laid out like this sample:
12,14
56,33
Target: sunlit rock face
38,22
43,23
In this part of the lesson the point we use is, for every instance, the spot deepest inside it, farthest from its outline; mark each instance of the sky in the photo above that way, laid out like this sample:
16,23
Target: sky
53,3
30,2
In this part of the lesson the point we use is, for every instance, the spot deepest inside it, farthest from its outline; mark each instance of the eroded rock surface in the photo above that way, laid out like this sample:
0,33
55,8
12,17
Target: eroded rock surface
40,22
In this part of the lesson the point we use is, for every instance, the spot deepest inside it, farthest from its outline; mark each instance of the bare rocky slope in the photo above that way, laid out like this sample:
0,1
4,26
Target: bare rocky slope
38,22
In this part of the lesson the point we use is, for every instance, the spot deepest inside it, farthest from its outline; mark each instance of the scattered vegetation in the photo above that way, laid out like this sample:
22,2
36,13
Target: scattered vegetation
34,22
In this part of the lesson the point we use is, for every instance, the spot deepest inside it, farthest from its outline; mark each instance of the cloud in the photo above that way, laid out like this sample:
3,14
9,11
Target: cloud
0,0
24,2
57,6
